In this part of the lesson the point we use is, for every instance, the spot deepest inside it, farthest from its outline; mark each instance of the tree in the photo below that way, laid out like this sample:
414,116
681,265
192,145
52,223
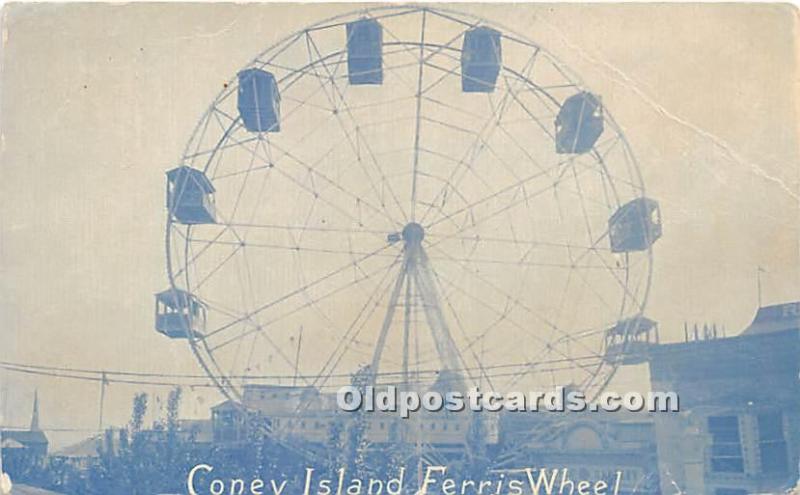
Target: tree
476,462
355,442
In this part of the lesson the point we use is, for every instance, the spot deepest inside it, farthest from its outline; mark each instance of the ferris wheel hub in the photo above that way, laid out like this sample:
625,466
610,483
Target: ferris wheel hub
413,233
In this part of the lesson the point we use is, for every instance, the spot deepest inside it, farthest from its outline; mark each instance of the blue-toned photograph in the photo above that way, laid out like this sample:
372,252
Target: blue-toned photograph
399,249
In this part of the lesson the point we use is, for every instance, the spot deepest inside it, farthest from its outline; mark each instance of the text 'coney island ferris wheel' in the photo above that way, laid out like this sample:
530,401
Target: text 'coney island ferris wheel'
415,190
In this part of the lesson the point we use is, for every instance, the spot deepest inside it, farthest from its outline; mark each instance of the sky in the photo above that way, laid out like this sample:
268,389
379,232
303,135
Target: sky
97,101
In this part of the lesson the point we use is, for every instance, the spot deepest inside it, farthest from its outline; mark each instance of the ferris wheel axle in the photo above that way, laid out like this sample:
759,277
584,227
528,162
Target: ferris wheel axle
416,276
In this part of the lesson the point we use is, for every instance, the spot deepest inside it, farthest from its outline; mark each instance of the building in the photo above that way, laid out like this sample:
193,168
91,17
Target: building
738,431
197,431
23,449
592,445
304,414
89,451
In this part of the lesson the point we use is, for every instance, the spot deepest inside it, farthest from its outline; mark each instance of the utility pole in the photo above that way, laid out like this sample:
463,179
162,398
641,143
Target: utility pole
103,383
759,271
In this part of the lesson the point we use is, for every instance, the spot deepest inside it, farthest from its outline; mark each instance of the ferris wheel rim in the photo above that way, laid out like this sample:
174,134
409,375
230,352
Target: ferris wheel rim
406,11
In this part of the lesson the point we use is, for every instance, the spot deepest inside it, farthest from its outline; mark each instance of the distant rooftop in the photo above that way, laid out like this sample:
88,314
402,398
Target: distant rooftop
758,368
25,437
775,318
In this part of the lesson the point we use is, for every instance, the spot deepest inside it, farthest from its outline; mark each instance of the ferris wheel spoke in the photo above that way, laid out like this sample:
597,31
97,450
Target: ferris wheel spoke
265,181
449,185
284,247
421,59
248,303
330,75
457,128
356,270
586,220
610,193
418,123
489,261
200,139
325,178
218,115
297,291
621,283
510,188
222,263
517,241
196,255
544,98
220,112
588,364
310,70
304,103
343,104
516,300
307,103
336,57
590,333
352,217
231,141
417,58
199,135
522,149
568,339
257,332
252,163
435,50
452,108
350,335
248,362
505,317
589,286
480,143
326,230
261,327
526,197
217,149
563,185
270,164
625,268
455,315
228,130
484,135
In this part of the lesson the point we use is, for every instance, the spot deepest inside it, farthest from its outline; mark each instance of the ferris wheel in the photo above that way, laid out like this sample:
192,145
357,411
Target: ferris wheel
413,190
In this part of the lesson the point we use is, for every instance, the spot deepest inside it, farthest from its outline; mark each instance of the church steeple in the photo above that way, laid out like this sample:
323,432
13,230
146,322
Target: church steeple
35,416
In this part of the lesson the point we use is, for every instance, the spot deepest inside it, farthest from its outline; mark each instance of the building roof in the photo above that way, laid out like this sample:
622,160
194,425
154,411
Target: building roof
10,443
88,447
92,446
749,368
25,437
775,318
